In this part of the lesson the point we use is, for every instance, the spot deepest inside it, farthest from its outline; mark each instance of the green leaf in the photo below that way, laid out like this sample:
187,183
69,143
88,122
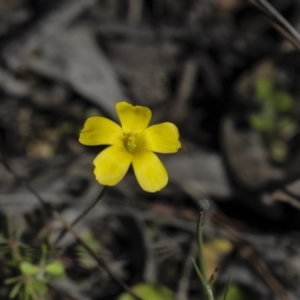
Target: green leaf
283,101
28,268
149,291
5,229
56,269
36,287
275,120
90,240
287,127
15,290
227,288
11,280
85,259
279,150
261,122
264,89
237,292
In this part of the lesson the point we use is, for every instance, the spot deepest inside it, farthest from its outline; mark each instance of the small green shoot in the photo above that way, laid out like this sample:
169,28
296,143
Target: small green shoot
227,288
149,291
206,286
275,120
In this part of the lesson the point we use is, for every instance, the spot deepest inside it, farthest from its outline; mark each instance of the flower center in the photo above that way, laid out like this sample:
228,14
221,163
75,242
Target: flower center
130,141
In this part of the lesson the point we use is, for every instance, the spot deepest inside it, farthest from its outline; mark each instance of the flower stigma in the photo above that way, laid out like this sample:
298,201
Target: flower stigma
130,141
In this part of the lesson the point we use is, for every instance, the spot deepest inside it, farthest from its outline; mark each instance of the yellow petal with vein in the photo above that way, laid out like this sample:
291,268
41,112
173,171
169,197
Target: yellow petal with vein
111,165
133,118
149,171
99,131
162,138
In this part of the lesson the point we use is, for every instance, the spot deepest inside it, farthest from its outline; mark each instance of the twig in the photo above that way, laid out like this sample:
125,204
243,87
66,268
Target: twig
277,184
278,21
200,245
44,205
284,195
82,215
291,194
26,183
63,293
100,261
58,216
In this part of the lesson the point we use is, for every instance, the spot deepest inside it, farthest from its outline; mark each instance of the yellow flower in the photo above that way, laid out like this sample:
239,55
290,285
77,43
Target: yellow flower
134,143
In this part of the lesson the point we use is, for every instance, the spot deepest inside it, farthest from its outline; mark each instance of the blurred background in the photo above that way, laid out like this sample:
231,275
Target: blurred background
215,68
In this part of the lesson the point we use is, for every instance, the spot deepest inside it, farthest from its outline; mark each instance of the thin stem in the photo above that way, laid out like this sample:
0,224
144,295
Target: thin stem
278,21
82,215
15,251
26,183
44,204
206,286
291,194
227,288
63,293
99,260
281,20
200,245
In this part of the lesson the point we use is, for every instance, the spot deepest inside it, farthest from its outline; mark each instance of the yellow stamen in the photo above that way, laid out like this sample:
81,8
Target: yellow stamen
130,141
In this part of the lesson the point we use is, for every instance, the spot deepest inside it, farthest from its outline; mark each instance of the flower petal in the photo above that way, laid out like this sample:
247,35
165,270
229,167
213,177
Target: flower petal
99,131
133,118
162,138
149,171
111,165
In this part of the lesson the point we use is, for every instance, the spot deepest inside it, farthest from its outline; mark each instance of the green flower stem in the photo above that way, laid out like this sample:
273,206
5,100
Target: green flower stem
200,245
15,251
227,288
82,215
206,286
